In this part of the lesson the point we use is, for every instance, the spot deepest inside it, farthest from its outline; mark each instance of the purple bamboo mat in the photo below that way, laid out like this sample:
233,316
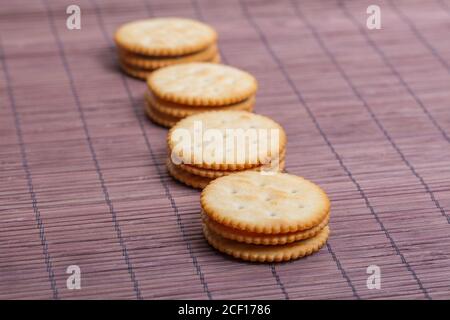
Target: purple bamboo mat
83,181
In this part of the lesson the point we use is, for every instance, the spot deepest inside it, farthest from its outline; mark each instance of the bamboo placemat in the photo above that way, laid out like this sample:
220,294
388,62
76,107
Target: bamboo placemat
82,174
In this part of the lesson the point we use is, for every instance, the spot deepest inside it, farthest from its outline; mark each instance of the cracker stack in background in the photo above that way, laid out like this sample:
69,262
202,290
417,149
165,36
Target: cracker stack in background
146,45
202,156
182,90
265,218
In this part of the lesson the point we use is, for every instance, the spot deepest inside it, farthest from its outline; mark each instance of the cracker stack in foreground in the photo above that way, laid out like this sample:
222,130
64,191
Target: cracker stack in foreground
146,45
265,218
179,91
213,144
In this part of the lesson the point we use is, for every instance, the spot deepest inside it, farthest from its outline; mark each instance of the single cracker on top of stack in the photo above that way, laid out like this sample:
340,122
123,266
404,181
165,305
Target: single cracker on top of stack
213,144
182,90
146,45
265,218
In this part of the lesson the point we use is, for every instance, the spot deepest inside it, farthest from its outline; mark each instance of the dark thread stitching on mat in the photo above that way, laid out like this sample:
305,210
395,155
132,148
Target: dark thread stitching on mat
199,14
314,120
303,18
444,6
198,10
152,154
282,68
280,284
26,168
381,127
91,148
341,269
394,71
433,51
421,38
170,197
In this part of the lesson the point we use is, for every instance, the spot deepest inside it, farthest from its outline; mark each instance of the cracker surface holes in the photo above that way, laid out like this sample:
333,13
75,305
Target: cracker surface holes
202,84
165,36
270,205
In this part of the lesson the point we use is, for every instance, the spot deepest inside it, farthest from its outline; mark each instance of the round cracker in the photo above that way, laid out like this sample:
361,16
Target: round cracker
204,155
147,62
180,110
142,74
186,177
208,173
263,239
216,59
261,253
261,203
165,36
158,118
202,84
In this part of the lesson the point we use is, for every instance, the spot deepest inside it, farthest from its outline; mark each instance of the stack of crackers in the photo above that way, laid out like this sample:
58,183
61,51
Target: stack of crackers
250,209
146,45
265,218
209,145
182,90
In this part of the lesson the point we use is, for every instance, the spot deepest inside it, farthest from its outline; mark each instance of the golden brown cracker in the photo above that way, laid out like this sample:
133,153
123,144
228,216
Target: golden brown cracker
165,36
261,203
209,173
202,84
180,110
153,63
263,239
186,177
254,149
261,253
159,118
141,74
216,59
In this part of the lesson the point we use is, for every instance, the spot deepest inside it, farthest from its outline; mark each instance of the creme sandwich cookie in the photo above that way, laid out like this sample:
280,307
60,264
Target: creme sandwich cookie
146,45
240,141
265,218
190,88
